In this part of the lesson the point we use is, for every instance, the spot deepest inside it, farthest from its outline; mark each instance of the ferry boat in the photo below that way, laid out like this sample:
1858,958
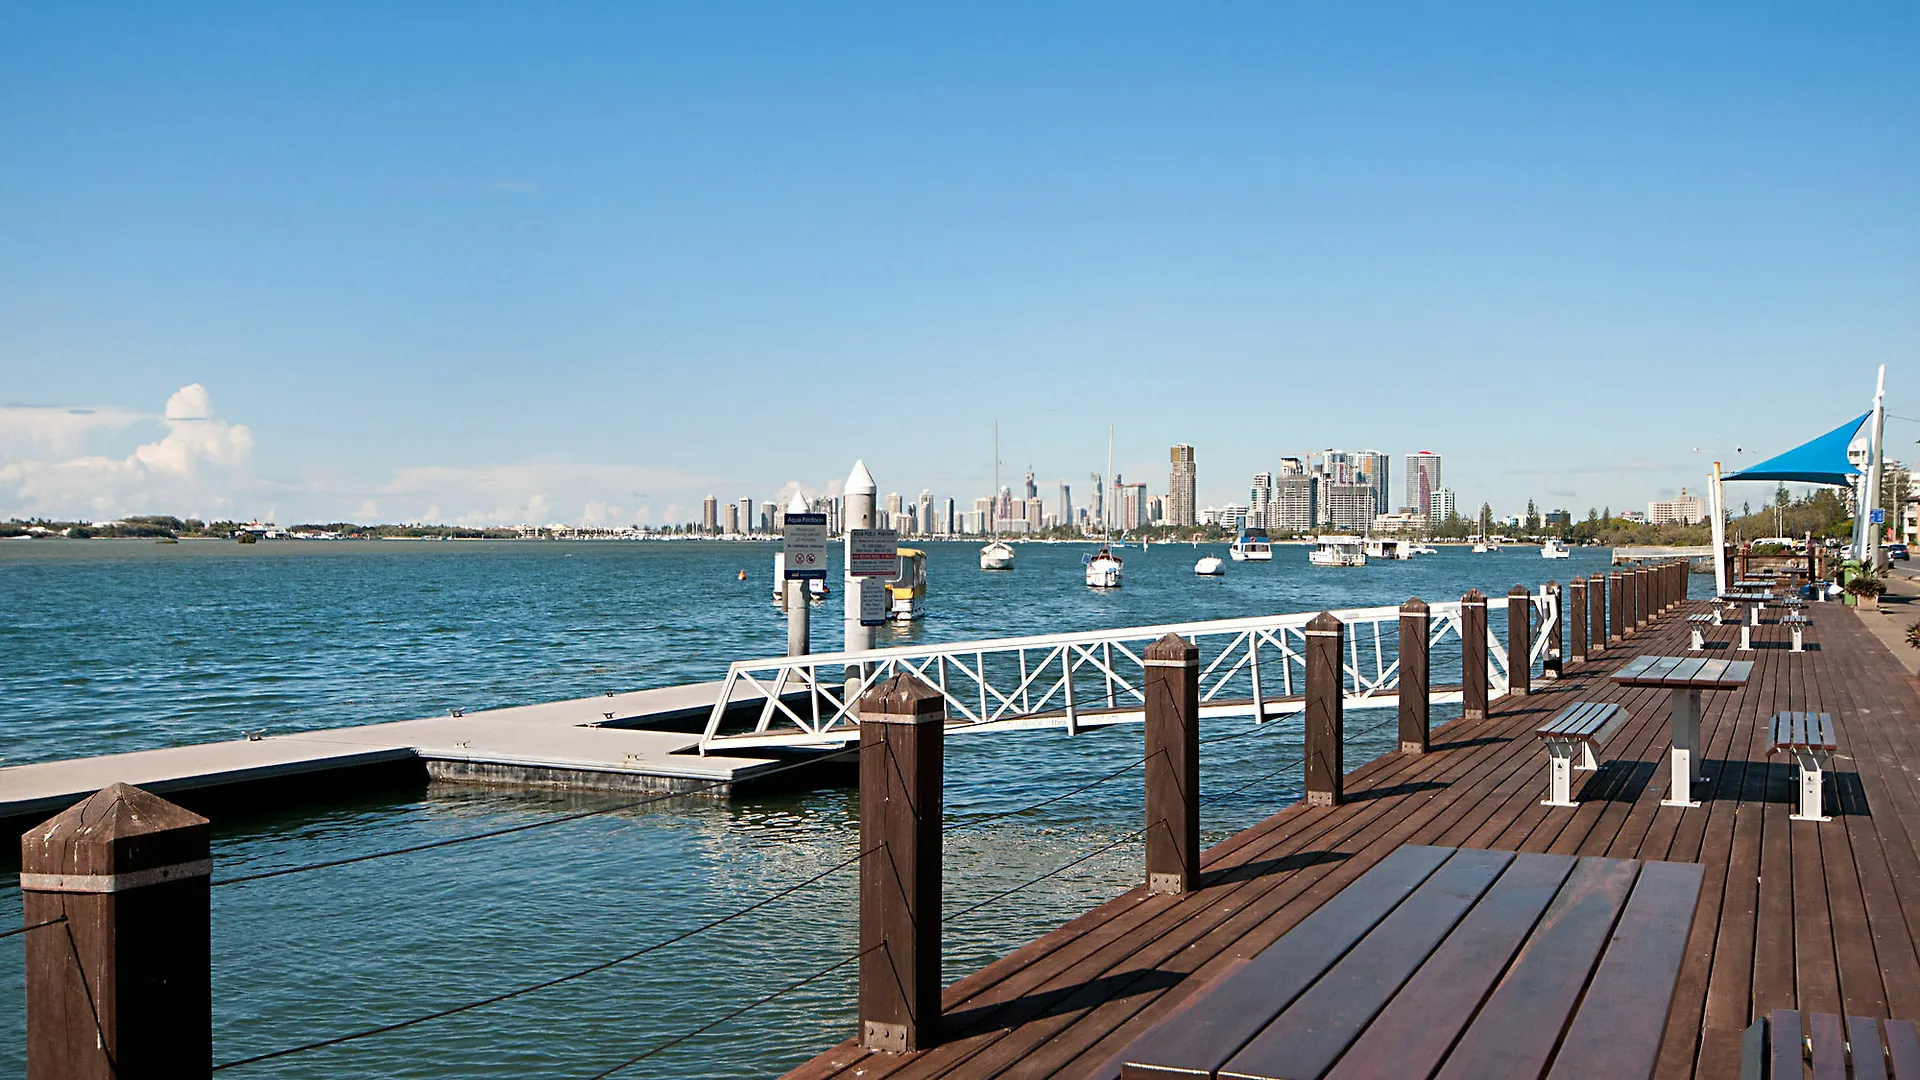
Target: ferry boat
1210,566
997,556
1553,549
907,594
1383,548
1251,546
1337,551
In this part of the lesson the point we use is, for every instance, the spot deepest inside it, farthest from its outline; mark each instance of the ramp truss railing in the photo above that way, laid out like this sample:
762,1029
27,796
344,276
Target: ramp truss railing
1250,667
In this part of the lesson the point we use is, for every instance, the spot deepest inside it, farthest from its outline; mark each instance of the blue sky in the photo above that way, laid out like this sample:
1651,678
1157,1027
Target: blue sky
581,262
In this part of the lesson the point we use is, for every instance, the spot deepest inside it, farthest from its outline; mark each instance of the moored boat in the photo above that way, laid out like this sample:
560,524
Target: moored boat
1337,551
1553,549
1251,545
907,593
1211,566
1103,569
997,556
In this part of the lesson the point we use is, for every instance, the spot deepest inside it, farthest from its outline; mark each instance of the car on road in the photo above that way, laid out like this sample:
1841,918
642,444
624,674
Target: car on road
1897,551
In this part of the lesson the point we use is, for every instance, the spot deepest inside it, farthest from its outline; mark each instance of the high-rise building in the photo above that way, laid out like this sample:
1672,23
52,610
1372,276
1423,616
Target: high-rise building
1684,509
895,503
926,513
1374,469
1295,507
1156,509
1260,501
730,520
1133,505
949,523
1442,505
1233,517
1116,509
1066,504
1035,513
1292,466
710,514
1423,479
1337,466
746,514
1003,506
1098,512
1180,487
1347,507
1033,490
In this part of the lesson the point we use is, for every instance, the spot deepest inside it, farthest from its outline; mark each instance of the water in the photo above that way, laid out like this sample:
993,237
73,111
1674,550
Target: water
108,646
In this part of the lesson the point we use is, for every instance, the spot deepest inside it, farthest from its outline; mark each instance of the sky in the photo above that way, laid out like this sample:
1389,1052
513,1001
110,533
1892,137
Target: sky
582,263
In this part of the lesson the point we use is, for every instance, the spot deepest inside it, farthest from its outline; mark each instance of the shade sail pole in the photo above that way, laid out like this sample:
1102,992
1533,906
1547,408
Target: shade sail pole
1718,497
1866,535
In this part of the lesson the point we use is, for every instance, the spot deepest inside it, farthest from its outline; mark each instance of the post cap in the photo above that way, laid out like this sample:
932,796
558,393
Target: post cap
1474,596
903,699
1173,649
1414,606
1519,591
860,481
1324,623
116,830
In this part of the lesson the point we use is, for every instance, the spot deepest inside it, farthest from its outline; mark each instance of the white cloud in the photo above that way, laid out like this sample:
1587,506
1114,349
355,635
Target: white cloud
527,494
368,514
200,460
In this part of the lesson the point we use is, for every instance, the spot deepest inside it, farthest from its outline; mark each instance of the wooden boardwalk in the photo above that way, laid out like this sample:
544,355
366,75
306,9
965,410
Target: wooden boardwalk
1814,916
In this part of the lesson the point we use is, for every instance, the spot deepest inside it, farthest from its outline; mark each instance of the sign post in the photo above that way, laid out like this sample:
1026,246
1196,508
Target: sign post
804,558
873,559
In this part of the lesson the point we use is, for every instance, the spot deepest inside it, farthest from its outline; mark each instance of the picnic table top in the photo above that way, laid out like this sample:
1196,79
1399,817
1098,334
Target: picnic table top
1450,962
1747,597
1684,672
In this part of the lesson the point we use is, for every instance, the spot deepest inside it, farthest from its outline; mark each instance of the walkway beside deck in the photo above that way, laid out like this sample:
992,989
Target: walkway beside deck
1814,916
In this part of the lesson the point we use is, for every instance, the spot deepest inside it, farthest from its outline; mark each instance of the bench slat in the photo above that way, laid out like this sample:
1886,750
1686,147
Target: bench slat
1516,1030
1581,720
1869,1061
1238,1006
1313,1032
1624,1013
1829,1047
1903,1050
1783,1035
1414,1031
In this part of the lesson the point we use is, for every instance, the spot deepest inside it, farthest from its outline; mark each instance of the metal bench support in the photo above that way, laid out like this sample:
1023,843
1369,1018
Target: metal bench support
1813,765
1685,761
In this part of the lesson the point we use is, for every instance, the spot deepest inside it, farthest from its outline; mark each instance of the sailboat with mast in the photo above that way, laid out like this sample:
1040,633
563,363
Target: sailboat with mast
1103,566
997,554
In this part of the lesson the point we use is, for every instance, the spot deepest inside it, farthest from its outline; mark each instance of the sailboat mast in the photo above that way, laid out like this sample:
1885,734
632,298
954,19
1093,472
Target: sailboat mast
1106,525
993,499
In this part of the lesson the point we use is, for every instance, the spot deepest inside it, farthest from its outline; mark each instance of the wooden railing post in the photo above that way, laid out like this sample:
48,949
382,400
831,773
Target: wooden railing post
122,987
1326,710
1416,705
1597,614
1519,641
1616,626
1552,656
1473,655
1173,765
1643,590
1577,617
901,735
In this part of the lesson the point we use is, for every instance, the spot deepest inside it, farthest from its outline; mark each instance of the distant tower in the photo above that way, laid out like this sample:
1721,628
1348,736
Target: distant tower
1033,490
1099,509
1260,501
746,514
1066,504
1180,487
710,514
1423,480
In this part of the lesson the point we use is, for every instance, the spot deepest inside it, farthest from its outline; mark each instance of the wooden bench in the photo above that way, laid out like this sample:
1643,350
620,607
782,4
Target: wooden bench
1697,623
1571,737
1775,1048
1797,622
1448,962
1809,739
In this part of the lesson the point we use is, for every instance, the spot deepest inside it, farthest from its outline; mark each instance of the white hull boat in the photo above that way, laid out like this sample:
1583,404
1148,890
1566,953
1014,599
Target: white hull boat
1554,549
1103,570
997,556
1211,566
1251,546
1336,551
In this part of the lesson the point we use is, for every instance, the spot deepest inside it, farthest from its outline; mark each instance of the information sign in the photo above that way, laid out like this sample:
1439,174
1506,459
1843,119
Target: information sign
870,553
1877,516
805,537
873,602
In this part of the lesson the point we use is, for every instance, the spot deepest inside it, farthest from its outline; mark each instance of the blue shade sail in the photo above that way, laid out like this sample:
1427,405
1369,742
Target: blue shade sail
1821,461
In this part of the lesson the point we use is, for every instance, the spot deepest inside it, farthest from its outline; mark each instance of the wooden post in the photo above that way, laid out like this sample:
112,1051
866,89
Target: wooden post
1616,629
1416,706
1173,765
1519,641
123,987
1473,655
1326,710
1740,561
1596,614
1629,606
1577,617
1552,656
901,733
1643,591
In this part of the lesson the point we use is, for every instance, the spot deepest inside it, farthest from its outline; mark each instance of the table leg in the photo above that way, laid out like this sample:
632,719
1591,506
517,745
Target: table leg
1746,638
1684,720
1756,614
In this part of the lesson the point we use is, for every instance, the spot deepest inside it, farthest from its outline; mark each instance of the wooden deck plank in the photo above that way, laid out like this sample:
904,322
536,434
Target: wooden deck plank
1793,915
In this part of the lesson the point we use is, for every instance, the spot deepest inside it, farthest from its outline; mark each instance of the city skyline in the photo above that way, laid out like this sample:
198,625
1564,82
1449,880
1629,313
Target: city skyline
650,252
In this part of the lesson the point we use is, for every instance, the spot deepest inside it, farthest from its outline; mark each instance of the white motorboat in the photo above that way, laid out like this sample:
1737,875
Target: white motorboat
1553,549
1251,546
1211,566
1337,551
1481,548
1422,549
997,556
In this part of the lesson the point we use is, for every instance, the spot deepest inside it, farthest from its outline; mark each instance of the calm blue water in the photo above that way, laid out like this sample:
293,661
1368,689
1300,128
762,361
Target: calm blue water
108,646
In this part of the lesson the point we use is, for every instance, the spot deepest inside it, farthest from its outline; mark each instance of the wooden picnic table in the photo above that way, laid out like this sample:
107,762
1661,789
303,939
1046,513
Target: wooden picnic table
1685,677
1449,962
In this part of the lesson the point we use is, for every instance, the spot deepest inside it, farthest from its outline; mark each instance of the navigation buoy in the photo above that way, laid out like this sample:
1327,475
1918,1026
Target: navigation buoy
743,575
